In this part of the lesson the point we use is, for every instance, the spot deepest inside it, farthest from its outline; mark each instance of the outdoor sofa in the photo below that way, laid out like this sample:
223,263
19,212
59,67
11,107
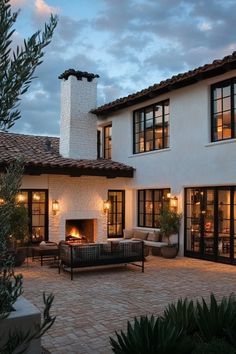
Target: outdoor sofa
153,240
73,256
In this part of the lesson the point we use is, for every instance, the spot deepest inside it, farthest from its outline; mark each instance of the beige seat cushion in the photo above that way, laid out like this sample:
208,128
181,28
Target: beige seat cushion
154,236
141,235
128,234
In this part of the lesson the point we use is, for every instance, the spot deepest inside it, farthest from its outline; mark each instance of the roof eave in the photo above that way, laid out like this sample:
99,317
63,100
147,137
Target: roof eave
32,169
183,82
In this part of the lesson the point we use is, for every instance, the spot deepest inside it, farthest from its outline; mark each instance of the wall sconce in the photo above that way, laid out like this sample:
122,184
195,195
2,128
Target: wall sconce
106,206
55,207
174,202
21,197
2,201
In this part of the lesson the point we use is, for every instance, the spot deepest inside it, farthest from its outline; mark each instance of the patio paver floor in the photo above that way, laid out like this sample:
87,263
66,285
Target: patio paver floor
100,301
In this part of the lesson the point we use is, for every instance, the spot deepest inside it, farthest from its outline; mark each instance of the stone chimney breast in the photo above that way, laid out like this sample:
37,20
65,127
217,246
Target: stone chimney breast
78,130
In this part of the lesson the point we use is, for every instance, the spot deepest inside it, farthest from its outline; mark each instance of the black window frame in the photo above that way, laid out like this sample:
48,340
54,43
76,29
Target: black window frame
114,215
215,255
165,138
107,150
30,213
230,82
165,201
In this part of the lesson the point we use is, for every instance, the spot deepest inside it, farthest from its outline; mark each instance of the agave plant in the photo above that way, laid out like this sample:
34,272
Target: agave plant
216,346
216,320
182,315
151,335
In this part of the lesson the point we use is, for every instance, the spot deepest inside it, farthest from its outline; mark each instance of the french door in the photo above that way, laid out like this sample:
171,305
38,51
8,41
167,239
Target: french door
36,202
116,214
210,223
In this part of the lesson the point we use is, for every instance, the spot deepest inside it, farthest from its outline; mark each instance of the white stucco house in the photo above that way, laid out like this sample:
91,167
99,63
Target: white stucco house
174,142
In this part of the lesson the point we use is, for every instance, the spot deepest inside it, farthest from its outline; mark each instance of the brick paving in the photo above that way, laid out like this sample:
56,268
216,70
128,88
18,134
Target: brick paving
100,301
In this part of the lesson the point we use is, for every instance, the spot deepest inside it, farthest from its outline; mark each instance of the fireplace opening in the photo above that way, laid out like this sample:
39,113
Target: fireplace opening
80,230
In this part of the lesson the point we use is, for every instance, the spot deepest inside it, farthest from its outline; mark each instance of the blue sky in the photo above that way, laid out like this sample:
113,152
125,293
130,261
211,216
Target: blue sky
131,44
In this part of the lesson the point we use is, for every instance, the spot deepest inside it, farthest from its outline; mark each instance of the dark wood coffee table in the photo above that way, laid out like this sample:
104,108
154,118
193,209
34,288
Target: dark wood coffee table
46,253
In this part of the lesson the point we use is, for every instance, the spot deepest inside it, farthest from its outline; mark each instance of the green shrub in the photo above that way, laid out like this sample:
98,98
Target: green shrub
217,346
185,327
151,336
182,315
216,320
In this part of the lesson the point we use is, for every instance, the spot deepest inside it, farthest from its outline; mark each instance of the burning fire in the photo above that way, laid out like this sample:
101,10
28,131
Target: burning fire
74,232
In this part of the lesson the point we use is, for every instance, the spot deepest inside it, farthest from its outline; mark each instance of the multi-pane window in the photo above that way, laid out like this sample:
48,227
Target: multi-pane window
223,110
36,202
151,127
116,213
150,204
107,141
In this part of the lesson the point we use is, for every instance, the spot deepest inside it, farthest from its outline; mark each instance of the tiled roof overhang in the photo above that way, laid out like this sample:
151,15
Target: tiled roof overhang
41,156
217,67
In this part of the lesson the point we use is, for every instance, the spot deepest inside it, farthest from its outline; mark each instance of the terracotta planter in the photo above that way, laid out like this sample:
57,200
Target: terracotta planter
169,251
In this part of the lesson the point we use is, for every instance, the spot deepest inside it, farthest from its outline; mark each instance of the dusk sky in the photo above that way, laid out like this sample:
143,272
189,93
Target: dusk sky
131,44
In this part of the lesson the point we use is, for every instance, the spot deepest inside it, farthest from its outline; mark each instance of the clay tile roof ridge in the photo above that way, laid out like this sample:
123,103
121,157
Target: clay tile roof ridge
175,78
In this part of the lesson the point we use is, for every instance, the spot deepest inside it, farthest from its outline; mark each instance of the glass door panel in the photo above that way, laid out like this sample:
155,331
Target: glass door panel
224,202
210,223
234,225
116,214
193,220
207,210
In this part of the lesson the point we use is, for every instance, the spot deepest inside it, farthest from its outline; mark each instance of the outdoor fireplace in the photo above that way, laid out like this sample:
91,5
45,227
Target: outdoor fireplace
80,230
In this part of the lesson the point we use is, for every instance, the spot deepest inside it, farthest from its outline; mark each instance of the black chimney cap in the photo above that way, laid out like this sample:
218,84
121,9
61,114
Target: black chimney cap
78,74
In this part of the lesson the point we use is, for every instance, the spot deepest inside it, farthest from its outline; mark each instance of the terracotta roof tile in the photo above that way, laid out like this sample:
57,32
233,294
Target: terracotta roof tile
217,67
41,155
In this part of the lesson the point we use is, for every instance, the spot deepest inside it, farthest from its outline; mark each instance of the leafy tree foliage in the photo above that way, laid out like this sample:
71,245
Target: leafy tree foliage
17,67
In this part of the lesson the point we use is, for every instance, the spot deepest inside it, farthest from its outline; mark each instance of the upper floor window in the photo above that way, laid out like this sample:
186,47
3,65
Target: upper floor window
151,128
150,204
223,111
107,141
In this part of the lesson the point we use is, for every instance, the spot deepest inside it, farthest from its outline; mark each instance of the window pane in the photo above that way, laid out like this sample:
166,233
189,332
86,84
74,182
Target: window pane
226,104
217,106
221,116
158,110
226,91
149,209
149,113
153,137
217,93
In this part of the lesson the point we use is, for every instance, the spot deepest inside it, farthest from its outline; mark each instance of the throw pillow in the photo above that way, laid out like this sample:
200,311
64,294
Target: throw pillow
141,235
128,234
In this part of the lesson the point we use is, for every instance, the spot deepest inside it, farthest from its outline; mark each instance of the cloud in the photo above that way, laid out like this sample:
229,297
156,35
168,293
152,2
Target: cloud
42,9
17,3
130,44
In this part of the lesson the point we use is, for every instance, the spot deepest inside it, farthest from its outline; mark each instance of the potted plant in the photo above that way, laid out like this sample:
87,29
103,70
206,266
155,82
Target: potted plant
169,225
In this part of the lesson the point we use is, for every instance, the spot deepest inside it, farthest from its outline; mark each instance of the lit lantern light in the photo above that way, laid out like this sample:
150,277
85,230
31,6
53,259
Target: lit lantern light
55,207
106,206
2,201
174,203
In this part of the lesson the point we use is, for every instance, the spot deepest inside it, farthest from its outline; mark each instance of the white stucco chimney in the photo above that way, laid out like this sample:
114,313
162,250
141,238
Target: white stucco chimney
78,129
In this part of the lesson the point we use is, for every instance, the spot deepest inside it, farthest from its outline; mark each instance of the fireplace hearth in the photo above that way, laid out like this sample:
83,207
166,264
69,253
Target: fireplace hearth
80,230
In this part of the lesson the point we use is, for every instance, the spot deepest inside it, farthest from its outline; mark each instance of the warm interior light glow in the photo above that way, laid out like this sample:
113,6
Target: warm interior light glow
1,201
55,206
106,206
21,198
168,195
36,197
174,202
